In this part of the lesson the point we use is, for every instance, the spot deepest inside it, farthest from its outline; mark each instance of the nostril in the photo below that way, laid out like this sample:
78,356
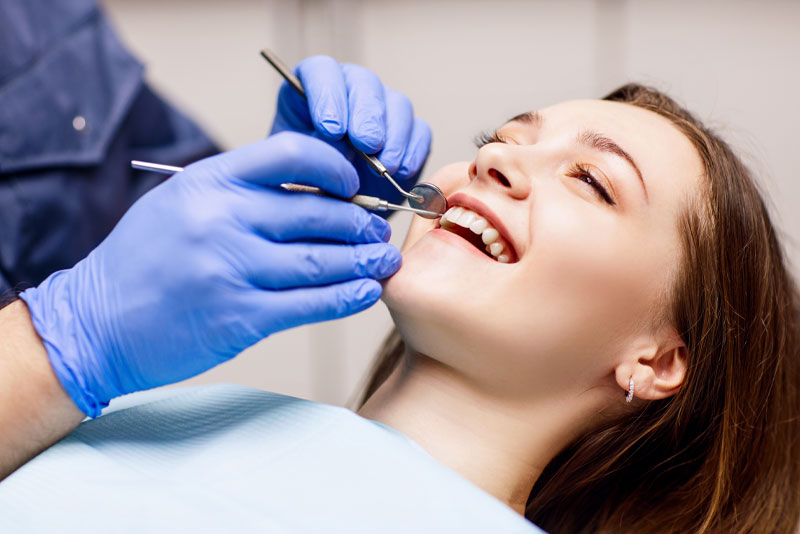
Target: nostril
473,171
497,175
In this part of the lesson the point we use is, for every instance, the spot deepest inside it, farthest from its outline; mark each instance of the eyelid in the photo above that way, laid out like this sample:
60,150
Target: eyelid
601,184
598,174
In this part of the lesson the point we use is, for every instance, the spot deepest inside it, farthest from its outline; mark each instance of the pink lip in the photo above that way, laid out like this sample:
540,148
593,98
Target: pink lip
459,241
466,201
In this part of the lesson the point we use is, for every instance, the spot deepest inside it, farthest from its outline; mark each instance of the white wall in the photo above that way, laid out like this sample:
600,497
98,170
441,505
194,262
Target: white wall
468,65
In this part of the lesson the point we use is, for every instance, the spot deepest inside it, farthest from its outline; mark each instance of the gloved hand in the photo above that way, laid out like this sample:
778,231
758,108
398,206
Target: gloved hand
208,263
348,99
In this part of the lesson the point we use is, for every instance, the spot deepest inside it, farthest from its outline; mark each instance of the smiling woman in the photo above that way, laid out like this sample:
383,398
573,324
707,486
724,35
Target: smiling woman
600,251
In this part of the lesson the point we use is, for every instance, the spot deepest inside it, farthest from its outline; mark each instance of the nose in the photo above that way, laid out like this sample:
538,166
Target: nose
502,165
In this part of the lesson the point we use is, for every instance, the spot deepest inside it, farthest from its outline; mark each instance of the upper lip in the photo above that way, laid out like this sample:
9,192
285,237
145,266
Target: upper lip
466,201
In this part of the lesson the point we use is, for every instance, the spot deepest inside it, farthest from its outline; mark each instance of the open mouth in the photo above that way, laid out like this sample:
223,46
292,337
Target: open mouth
479,232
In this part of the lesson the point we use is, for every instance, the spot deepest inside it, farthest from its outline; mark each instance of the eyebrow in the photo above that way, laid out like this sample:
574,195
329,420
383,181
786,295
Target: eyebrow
529,117
600,142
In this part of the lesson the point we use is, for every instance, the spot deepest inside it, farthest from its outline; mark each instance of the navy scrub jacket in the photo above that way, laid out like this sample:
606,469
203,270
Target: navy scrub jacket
74,111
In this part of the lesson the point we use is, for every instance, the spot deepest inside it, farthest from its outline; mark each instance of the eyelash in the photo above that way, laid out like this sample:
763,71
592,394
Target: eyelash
577,170
486,137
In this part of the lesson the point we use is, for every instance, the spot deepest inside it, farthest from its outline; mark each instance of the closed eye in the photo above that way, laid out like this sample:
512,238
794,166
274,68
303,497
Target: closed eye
578,170
582,173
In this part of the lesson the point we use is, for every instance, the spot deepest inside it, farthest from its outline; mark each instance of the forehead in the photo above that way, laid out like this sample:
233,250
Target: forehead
669,162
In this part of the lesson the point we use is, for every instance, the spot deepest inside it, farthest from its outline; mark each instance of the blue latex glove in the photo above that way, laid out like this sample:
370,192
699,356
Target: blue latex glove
208,263
348,99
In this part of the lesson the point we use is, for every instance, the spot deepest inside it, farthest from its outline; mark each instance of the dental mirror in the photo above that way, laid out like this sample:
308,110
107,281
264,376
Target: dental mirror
432,199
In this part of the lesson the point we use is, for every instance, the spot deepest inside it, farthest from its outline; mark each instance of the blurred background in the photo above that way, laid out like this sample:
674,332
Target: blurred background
468,65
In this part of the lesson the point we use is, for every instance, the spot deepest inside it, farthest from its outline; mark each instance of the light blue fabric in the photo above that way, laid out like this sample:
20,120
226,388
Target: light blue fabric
234,459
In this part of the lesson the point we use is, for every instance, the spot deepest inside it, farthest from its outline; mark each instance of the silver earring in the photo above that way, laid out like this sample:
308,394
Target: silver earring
629,396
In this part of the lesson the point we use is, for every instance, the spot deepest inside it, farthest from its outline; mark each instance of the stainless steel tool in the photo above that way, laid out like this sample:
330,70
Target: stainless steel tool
423,196
368,202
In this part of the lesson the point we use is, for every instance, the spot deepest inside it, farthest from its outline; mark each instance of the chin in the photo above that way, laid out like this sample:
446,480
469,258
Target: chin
430,276
431,298
412,289
414,294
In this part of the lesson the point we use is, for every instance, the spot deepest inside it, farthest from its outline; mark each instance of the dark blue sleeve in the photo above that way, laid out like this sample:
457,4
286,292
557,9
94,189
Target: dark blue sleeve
74,111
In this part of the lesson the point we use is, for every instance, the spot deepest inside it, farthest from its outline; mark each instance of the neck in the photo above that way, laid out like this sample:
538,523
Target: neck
500,445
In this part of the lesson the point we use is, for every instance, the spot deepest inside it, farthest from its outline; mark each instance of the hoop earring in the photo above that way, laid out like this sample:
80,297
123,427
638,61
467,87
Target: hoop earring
629,396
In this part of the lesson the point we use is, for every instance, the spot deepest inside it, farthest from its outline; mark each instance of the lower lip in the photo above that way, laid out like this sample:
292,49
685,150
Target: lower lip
459,241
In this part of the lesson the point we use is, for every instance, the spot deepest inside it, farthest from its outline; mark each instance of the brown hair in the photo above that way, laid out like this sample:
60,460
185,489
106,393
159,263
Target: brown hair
723,454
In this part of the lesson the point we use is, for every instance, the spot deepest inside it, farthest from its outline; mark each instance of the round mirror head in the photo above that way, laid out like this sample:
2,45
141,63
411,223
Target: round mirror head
432,199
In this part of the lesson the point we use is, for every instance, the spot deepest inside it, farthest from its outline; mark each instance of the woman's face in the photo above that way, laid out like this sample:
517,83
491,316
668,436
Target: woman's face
586,198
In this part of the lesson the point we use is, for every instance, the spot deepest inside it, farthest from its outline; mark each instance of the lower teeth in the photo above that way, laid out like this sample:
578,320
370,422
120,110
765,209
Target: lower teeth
487,248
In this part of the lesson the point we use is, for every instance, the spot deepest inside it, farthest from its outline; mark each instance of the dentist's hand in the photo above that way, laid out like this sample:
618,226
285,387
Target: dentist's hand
350,100
207,264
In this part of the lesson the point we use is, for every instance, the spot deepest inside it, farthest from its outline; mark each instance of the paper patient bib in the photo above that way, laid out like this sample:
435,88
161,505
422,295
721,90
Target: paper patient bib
234,459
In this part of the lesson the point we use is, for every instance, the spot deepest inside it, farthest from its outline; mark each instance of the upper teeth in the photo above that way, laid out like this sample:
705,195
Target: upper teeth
469,219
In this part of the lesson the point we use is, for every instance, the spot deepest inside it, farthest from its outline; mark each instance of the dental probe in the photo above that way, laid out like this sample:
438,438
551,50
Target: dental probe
367,202
423,196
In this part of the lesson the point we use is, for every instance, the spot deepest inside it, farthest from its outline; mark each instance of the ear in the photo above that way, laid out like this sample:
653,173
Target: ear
657,367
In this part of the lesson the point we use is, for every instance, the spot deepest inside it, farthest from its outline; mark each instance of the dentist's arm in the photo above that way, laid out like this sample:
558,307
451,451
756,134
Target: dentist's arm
208,263
35,411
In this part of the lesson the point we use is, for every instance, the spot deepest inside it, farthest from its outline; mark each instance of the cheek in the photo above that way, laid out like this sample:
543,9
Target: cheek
577,255
591,278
